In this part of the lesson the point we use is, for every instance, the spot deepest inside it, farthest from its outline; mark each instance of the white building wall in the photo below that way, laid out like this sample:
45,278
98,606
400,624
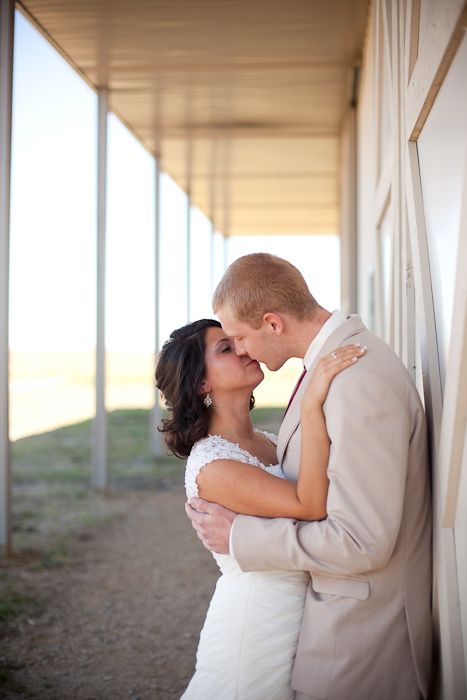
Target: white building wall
411,220
366,165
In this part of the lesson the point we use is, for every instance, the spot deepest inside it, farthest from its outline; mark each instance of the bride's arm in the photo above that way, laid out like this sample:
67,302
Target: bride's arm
246,489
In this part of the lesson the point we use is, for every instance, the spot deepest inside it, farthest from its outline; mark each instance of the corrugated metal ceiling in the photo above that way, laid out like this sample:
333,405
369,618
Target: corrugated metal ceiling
242,99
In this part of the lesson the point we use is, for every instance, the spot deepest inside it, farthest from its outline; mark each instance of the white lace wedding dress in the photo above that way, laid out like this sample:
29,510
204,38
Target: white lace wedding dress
248,642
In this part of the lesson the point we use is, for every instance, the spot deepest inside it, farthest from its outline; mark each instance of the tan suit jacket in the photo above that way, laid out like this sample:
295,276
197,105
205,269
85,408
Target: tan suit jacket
366,630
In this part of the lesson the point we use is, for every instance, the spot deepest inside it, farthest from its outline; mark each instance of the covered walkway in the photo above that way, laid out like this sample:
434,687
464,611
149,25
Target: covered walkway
308,116
242,104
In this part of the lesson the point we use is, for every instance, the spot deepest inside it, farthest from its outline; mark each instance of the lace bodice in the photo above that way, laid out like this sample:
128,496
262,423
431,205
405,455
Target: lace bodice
216,447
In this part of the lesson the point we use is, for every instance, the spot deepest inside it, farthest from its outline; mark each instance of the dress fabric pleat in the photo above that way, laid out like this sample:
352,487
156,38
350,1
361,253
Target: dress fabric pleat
248,642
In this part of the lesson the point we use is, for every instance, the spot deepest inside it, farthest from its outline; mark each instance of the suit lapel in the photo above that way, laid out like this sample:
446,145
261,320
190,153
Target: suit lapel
340,336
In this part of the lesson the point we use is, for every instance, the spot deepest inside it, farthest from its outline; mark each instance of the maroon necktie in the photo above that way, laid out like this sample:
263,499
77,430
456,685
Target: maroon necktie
300,379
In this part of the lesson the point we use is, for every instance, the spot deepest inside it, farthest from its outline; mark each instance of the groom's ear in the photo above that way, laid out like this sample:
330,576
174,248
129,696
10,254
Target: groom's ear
274,321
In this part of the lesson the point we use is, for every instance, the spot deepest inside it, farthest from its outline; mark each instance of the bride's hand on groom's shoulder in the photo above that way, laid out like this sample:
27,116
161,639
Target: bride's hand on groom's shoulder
212,523
325,371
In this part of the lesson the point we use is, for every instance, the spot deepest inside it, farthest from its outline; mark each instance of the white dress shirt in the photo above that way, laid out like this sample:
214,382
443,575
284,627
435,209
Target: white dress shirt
336,319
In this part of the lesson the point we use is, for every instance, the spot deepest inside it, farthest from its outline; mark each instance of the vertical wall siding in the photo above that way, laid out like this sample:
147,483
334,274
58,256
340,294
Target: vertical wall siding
405,66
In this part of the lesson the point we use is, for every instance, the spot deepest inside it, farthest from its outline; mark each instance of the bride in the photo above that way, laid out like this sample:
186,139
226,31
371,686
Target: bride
249,638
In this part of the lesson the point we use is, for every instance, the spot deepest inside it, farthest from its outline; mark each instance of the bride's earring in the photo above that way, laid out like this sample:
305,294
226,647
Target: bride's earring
207,401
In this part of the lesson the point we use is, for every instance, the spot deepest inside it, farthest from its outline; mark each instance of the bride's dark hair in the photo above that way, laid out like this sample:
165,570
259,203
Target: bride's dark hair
179,375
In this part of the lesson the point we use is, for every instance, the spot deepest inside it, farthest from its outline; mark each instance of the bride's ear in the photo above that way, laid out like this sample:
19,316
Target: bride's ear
205,388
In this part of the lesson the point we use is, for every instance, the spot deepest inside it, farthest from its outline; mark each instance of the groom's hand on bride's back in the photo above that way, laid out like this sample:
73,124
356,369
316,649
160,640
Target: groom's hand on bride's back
212,523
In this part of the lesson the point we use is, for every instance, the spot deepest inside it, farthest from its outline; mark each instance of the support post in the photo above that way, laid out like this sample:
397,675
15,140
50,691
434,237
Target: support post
189,157
7,15
212,206
226,252
212,251
348,214
188,256
156,414
226,199
99,456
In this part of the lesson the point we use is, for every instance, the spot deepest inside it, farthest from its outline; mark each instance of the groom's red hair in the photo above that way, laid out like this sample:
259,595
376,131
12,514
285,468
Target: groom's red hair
259,283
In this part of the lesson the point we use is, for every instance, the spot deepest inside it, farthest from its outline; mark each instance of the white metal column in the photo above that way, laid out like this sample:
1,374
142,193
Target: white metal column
212,207
156,437
99,457
188,256
7,14
226,194
226,252
348,214
189,155
212,251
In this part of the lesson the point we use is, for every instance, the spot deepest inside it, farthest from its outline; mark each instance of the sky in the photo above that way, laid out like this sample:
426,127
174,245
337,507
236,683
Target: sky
53,223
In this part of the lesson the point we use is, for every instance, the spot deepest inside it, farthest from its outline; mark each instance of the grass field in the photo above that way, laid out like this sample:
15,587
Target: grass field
52,402
52,498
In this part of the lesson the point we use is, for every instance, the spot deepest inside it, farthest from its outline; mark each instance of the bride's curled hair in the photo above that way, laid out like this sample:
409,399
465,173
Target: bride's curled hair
179,375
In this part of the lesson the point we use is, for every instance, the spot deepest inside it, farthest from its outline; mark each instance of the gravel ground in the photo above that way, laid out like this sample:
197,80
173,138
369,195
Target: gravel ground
120,618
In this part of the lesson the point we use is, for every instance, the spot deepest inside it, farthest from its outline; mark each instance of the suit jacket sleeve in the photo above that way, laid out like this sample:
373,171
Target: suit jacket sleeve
370,432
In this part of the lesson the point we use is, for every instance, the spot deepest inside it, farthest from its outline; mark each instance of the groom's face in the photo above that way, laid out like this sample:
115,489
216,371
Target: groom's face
259,343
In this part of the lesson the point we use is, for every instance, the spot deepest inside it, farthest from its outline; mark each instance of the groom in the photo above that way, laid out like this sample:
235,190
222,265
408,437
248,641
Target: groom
366,628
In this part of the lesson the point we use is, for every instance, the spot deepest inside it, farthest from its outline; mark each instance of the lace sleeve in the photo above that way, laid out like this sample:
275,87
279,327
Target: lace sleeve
203,452
208,450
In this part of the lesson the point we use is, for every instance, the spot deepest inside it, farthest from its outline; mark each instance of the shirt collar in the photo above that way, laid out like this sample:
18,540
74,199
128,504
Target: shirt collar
336,319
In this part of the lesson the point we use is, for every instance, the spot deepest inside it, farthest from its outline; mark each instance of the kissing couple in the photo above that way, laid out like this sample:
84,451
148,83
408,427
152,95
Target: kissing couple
323,533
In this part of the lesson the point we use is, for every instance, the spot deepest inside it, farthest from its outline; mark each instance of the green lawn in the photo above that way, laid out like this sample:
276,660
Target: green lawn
52,498
64,455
